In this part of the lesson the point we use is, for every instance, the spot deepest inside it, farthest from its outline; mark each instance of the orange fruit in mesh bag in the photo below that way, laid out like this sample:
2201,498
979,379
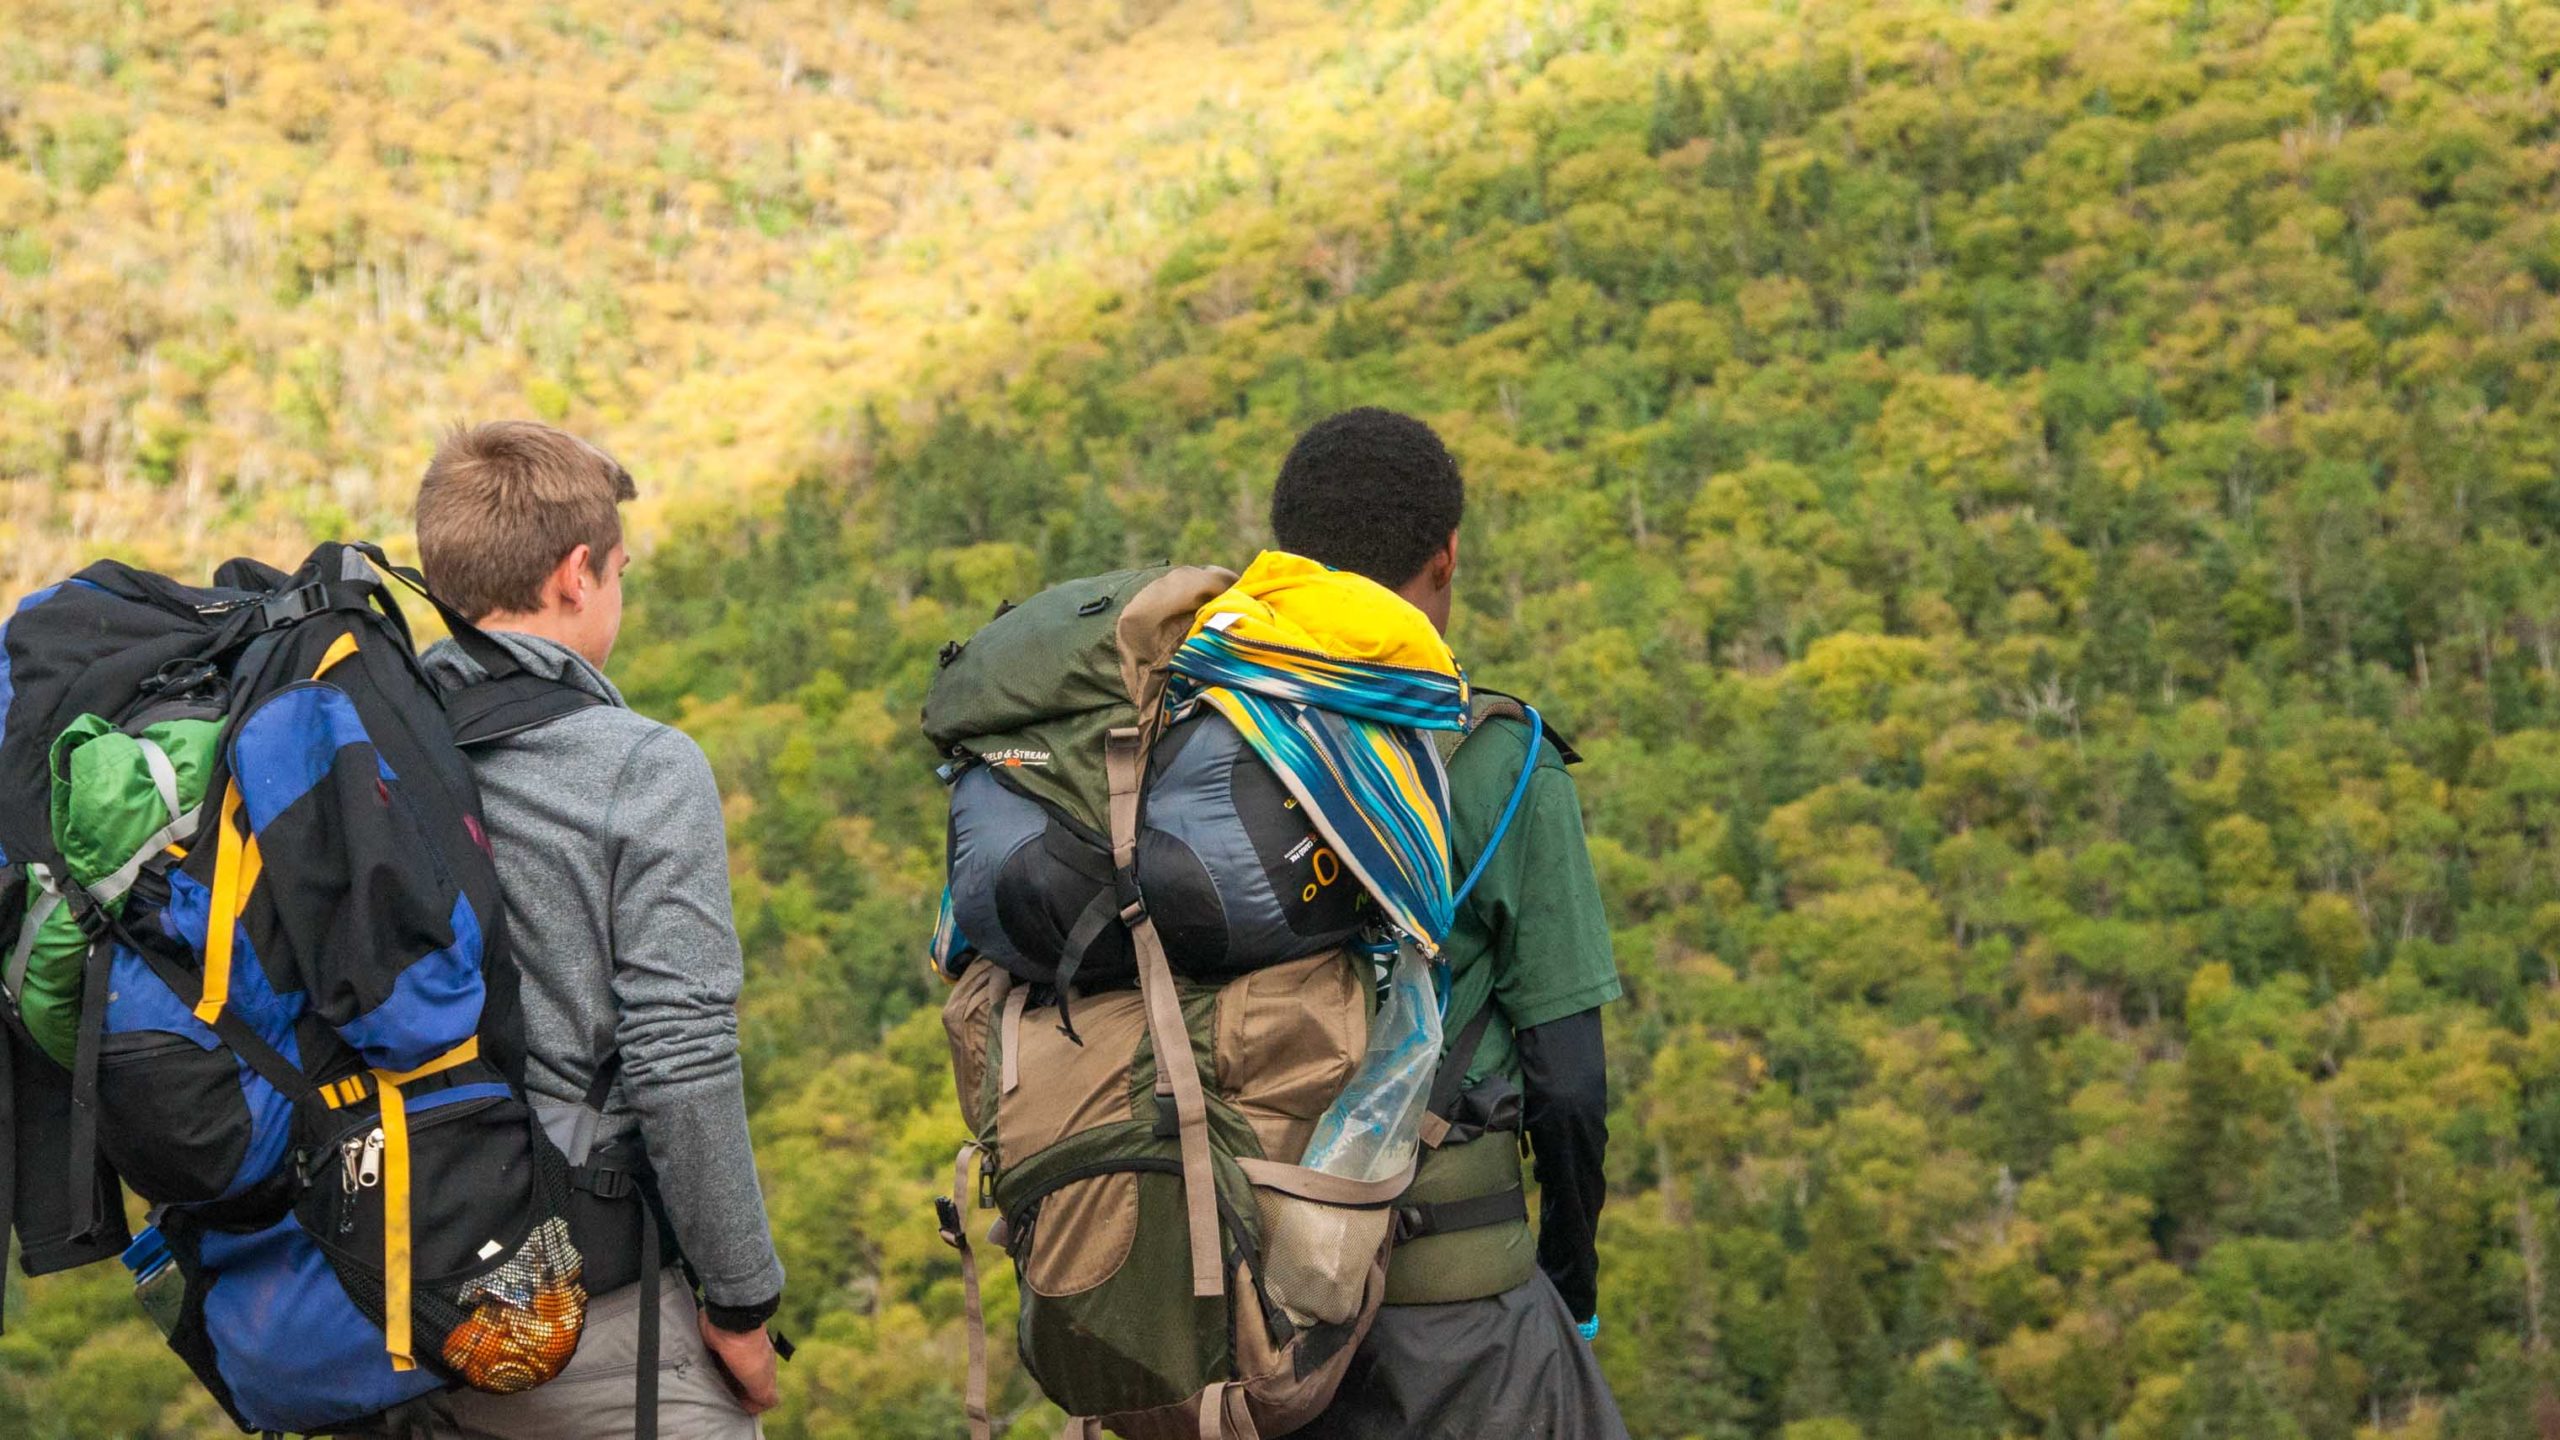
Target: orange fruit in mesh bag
525,1316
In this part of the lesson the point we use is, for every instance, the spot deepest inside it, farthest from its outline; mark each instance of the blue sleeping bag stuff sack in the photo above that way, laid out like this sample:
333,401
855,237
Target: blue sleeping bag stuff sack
298,1034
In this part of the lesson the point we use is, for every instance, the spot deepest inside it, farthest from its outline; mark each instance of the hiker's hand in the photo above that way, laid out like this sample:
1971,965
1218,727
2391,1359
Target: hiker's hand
748,1358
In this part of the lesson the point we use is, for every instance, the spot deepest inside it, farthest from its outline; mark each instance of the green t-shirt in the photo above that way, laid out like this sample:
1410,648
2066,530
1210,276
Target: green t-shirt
1534,935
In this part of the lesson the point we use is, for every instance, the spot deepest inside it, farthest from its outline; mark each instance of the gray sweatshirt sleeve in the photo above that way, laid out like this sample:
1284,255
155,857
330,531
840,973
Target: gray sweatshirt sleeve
676,973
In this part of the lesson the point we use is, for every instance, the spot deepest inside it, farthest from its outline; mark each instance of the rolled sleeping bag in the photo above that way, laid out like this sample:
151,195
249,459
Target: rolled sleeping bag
1235,875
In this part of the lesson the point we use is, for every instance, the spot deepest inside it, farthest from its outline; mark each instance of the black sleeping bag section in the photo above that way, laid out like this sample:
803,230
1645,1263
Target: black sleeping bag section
1234,873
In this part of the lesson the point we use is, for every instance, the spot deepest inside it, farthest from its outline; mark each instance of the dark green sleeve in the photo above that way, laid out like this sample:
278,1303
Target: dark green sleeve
1551,955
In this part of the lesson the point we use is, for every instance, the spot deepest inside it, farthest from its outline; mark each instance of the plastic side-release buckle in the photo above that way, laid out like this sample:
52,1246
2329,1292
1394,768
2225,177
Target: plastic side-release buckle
947,1215
607,1183
297,604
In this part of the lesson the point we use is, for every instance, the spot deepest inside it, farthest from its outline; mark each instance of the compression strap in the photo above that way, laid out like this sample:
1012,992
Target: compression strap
395,1197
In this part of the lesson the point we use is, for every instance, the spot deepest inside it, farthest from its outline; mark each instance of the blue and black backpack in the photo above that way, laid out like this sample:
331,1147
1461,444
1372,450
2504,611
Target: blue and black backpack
287,1019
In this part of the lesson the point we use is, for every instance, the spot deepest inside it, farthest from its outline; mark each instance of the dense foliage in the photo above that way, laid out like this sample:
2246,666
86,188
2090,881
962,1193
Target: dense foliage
253,255
2037,514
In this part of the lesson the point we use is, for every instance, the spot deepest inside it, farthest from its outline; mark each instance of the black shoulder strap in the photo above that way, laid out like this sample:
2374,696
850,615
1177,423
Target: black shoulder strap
475,642
1451,1077
600,1089
493,710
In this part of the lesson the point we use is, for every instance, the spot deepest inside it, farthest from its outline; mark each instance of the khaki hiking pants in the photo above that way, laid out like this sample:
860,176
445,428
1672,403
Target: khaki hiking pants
591,1400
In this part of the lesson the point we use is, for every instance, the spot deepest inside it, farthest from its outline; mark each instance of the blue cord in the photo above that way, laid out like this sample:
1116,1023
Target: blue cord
1501,829
1510,812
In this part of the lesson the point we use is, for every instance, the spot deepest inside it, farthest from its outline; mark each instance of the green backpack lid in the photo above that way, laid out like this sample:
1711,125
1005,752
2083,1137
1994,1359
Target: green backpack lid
1035,691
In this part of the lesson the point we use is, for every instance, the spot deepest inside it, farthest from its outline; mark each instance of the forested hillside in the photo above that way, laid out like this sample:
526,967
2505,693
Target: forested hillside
2040,517
254,256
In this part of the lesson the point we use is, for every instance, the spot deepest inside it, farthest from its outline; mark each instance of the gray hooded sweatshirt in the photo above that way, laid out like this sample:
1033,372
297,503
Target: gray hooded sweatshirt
615,864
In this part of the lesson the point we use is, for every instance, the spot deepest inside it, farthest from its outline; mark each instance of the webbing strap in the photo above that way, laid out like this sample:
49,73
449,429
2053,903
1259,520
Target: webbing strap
8,1165
339,649
47,900
1213,1415
1452,1075
955,1233
1322,1188
395,1197
164,776
1009,1038
395,1228
113,887
224,916
233,1031
491,656
644,1381
589,1117
1177,1073
82,1169
488,711
1097,917
1446,1217
462,1054
1519,791
236,863
1081,1427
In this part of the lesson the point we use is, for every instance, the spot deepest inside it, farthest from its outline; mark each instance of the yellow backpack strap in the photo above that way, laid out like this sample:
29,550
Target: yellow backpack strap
395,1197
236,866
339,650
235,875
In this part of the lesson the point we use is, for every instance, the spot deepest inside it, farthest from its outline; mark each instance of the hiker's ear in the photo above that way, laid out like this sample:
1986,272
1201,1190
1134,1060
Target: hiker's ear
1444,566
573,579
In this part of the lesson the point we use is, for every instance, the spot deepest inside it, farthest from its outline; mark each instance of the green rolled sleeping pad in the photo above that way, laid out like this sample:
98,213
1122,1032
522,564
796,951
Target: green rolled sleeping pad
119,800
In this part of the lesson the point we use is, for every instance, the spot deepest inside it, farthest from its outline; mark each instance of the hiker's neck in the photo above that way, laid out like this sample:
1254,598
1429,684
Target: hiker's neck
1432,590
555,624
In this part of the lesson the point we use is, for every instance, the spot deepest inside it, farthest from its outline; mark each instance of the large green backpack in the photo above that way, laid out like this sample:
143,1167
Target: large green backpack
1177,1108
1234,870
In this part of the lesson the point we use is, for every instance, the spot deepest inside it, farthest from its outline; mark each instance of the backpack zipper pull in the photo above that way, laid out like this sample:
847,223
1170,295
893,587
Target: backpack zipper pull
369,1173
350,1161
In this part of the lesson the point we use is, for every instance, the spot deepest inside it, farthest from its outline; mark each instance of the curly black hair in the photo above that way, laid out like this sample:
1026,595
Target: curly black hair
1369,491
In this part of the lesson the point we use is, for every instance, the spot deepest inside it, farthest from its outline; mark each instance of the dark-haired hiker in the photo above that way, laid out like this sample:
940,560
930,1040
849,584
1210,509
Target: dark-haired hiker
1485,1331
614,858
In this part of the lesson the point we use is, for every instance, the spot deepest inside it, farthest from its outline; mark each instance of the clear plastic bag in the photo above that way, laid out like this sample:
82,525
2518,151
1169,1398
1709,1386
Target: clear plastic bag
1319,1255
1372,1128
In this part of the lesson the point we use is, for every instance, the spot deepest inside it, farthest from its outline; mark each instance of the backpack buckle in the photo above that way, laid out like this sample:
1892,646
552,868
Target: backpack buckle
947,1216
293,606
605,1182
1411,1223
92,918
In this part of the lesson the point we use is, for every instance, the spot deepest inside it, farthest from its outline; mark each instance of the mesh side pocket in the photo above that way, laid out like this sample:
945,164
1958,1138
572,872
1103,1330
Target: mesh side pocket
525,1316
515,1327
1316,1258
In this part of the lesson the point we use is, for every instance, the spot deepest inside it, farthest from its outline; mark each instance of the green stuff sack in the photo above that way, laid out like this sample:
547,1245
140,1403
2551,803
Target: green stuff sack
118,799
1034,692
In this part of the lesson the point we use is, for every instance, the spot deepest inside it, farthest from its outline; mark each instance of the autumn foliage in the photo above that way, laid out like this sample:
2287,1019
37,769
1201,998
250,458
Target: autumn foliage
2038,513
